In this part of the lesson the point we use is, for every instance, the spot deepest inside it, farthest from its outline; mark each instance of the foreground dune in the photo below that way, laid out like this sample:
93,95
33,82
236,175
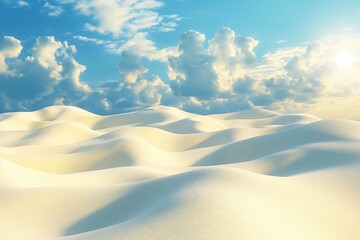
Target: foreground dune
161,173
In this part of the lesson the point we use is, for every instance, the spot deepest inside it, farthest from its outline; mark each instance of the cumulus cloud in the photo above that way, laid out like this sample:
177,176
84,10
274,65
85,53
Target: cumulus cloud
192,72
44,51
313,70
10,47
130,67
227,71
132,91
208,72
49,75
303,76
205,76
233,55
118,96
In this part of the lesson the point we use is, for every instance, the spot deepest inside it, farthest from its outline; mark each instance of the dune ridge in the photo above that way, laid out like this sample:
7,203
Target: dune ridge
162,173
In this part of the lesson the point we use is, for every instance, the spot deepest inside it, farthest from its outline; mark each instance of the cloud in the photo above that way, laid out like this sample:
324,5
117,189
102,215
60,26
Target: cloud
171,23
44,51
16,3
118,96
130,67
281,41
52,10
204,76
228,72
233,54
208,72
303,76
92,40
192,72
10,47
126,24
132,91
49,75
141,46
119,17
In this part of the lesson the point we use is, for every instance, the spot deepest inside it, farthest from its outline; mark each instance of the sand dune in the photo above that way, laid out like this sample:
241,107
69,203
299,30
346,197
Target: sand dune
162,173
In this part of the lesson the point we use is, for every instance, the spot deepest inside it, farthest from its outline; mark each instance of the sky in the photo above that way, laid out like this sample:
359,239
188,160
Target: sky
112,56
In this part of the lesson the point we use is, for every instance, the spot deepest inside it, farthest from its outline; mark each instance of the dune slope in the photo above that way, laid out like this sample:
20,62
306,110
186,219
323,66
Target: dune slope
162,173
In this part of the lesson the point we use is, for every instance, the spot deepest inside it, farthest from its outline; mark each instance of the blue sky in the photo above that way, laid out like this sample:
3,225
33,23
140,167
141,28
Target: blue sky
202,56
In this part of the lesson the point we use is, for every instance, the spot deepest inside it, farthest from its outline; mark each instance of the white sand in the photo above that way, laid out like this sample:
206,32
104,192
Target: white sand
162,173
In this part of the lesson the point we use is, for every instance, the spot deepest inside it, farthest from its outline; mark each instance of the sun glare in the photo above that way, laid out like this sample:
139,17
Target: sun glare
344,60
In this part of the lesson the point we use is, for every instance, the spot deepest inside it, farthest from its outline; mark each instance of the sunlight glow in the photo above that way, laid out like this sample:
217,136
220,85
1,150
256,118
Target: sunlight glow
344,60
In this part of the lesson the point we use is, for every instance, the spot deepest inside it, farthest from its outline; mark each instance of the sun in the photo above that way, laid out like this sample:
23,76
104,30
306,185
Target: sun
344,60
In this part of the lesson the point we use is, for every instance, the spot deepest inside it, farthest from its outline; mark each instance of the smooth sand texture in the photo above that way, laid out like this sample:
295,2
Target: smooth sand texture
161,173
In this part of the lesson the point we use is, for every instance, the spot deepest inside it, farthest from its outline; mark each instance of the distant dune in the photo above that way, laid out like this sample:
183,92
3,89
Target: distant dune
162,173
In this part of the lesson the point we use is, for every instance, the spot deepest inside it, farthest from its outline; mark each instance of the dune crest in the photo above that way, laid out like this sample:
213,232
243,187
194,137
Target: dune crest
162,173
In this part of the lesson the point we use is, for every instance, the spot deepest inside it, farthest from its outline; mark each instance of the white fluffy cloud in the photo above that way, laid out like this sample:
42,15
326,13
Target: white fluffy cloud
209,72
132,91
228,72
233,55
309,73
221,74
44,51
192,71
49,75
10,47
